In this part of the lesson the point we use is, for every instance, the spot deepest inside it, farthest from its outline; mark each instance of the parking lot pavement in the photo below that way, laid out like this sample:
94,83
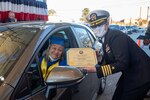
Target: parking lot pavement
110,87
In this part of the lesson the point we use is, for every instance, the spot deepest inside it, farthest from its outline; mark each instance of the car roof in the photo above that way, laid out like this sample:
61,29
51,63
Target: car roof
39,23
44,26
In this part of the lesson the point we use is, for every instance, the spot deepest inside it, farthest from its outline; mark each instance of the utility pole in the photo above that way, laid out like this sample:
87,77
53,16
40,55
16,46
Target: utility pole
140,12
147,13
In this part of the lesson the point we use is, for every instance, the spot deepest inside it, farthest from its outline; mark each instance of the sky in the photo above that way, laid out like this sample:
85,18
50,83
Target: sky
118,9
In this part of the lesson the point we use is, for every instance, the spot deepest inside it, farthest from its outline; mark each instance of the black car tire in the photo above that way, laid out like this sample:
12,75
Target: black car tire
102,85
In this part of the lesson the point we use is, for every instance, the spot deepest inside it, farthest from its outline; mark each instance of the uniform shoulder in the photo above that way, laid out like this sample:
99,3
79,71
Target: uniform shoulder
115,32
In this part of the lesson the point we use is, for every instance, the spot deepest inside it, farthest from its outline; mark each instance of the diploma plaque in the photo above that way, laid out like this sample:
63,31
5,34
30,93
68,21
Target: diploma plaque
81,57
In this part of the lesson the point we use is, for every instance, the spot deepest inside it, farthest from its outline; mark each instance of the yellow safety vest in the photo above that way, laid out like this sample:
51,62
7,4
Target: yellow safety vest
44,69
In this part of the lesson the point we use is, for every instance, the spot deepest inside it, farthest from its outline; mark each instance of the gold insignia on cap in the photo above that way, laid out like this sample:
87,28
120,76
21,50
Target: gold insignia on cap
99,21
93,16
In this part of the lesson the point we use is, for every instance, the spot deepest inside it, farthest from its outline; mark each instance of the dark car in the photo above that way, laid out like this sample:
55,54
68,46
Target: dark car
114,27
21,46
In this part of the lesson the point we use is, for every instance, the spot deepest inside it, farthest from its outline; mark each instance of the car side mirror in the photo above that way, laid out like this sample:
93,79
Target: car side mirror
63,76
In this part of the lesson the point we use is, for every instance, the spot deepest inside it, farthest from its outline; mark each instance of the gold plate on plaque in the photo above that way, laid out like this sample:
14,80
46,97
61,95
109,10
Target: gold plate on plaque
81,57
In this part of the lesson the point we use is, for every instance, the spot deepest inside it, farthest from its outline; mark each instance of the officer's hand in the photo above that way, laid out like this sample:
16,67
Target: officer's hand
90,69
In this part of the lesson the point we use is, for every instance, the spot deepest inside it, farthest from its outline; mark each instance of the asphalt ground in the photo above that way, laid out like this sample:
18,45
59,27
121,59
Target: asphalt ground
110,87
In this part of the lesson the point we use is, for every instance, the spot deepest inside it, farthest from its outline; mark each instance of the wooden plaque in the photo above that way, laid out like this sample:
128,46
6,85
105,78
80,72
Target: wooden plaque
79,57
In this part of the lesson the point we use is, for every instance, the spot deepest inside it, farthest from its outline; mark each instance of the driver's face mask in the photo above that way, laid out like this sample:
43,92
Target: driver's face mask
52,59
100,31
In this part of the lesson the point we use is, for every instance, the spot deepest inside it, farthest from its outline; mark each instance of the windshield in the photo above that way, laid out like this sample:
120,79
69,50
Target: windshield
13,42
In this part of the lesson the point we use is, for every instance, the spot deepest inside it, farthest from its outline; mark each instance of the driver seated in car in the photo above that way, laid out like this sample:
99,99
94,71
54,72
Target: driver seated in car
54,55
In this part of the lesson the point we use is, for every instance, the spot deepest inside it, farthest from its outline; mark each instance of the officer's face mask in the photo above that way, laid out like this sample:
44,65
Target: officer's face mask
99,31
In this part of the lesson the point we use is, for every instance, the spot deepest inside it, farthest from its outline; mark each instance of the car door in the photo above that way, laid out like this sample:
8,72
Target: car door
66,33
83,90
31,85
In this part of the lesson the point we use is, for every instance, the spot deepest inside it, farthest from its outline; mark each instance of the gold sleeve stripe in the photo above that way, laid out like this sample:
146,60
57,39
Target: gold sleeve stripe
103,71
106,69
109,69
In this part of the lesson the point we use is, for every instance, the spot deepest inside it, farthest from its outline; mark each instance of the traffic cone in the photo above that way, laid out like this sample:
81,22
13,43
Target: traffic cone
139,42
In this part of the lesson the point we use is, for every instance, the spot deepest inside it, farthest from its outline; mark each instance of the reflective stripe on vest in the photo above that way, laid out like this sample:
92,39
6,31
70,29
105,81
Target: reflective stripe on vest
45,72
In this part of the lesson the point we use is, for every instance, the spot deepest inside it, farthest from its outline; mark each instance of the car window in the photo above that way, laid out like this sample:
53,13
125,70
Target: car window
13,42
84,37
91,38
